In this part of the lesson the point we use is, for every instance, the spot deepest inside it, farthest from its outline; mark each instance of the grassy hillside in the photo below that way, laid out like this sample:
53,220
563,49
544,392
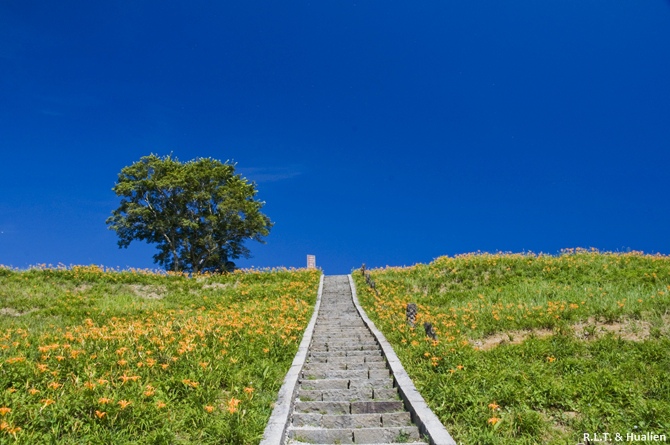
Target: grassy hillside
534,349
92,356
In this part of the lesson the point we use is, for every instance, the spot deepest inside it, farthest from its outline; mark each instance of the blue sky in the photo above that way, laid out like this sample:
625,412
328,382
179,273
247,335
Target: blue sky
388,133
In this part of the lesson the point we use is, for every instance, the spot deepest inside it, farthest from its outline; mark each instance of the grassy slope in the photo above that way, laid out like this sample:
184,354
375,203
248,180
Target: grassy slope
199,360
546,388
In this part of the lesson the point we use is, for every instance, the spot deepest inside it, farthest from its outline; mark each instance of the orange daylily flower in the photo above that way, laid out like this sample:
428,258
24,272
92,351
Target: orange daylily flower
124,404
232,405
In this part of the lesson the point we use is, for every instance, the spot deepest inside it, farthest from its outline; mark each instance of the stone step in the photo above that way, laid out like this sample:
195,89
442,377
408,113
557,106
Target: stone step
323,384
377,407
324,348
344,353
349,329
323,407
365,365
346,407
378,373
343,339
337,421
344,333
345,374
295,442
401,434
353,333
350,395
312,435
385,394
371,366
337,314
380,383
345,314
344,395
351,319
323,366
345,359
343,347
343,326
352,420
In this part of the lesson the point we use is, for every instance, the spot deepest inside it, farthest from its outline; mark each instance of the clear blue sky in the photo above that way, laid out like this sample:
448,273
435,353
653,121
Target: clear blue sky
384,132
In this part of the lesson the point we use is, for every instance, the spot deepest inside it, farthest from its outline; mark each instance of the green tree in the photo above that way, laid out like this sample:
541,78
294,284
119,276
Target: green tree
199,213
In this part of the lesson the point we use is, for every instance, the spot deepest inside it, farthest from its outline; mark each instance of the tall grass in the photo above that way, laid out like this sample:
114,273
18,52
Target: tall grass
581,342
100,357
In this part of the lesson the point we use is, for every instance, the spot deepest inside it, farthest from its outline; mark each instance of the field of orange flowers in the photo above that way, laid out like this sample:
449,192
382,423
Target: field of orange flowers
100,357
532,348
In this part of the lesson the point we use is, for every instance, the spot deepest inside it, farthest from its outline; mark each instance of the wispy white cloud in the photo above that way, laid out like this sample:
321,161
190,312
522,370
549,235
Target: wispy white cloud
270,174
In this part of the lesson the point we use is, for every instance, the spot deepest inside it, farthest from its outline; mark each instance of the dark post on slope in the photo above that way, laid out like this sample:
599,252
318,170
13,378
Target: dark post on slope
410,313
430,332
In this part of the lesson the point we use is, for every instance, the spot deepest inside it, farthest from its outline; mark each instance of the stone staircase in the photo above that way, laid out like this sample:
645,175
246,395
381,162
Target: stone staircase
346,392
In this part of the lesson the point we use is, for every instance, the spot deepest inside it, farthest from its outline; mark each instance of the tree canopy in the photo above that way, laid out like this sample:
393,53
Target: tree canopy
199,213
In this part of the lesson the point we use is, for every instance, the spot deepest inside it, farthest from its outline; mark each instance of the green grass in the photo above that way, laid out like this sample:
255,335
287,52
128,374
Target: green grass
100,357
534,348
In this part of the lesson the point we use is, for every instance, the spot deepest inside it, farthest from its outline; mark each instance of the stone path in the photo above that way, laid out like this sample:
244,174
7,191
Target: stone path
346,392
